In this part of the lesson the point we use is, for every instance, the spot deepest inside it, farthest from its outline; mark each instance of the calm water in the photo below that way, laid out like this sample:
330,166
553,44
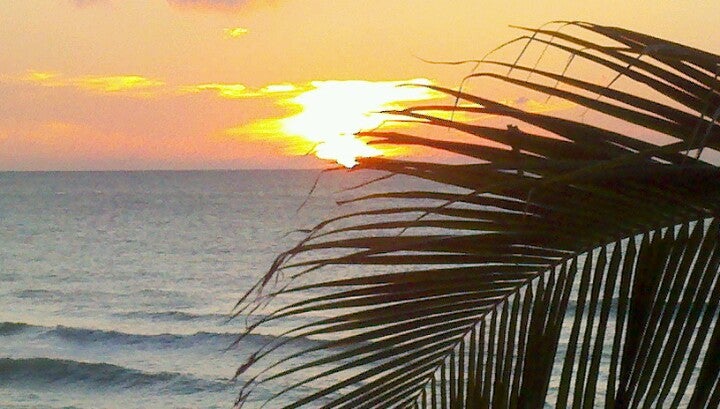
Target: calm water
115,286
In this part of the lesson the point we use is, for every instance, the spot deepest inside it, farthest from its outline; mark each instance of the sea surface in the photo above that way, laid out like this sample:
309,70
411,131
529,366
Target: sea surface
116,287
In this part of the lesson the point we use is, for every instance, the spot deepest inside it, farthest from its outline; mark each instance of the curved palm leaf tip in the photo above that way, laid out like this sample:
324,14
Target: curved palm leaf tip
563,264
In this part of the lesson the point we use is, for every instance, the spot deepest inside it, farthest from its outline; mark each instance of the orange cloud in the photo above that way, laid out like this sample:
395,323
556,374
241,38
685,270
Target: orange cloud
44,78
235,91
117,83
134,85
41,76
224,90
139,86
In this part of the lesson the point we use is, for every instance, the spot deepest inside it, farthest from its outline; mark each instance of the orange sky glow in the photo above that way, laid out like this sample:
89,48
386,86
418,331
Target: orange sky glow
231,84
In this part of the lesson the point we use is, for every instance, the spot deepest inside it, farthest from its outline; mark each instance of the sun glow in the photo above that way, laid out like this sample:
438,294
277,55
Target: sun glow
332,112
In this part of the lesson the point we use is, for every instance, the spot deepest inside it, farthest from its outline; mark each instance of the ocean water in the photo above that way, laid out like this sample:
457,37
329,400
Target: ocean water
115,287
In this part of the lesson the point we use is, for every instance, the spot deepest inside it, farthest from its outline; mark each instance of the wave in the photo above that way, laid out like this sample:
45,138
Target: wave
173,316
37,293
11,328
64,372
85,336
82,335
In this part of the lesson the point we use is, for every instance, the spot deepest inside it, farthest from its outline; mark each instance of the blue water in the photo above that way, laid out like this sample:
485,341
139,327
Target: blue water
115,287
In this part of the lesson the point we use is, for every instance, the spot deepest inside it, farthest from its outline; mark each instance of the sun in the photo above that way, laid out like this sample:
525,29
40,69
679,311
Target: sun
333,112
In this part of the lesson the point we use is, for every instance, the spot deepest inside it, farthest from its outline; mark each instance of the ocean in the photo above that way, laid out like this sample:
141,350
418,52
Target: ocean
116,287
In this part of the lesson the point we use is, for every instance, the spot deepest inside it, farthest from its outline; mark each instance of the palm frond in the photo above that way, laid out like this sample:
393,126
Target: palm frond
563,262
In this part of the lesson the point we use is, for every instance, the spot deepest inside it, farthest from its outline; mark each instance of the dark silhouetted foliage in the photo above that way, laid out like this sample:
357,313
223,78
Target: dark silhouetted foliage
563,261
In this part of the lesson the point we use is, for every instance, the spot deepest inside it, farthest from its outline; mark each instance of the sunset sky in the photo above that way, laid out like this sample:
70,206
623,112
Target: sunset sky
230,84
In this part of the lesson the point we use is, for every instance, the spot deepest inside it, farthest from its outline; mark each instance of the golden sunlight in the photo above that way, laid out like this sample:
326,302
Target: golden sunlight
235,32
332,112
116,83
42,77
224,90
237,91
139,85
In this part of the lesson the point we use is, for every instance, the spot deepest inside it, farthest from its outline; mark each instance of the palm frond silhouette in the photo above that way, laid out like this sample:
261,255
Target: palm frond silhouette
562,263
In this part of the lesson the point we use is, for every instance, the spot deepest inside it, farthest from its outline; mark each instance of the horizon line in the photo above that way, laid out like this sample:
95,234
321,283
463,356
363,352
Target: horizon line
153,170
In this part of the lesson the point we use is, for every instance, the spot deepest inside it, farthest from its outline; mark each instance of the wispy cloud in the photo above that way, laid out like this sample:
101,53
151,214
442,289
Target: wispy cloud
235,32
134,85
140,86
117,83
236,91
231,91
44,78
